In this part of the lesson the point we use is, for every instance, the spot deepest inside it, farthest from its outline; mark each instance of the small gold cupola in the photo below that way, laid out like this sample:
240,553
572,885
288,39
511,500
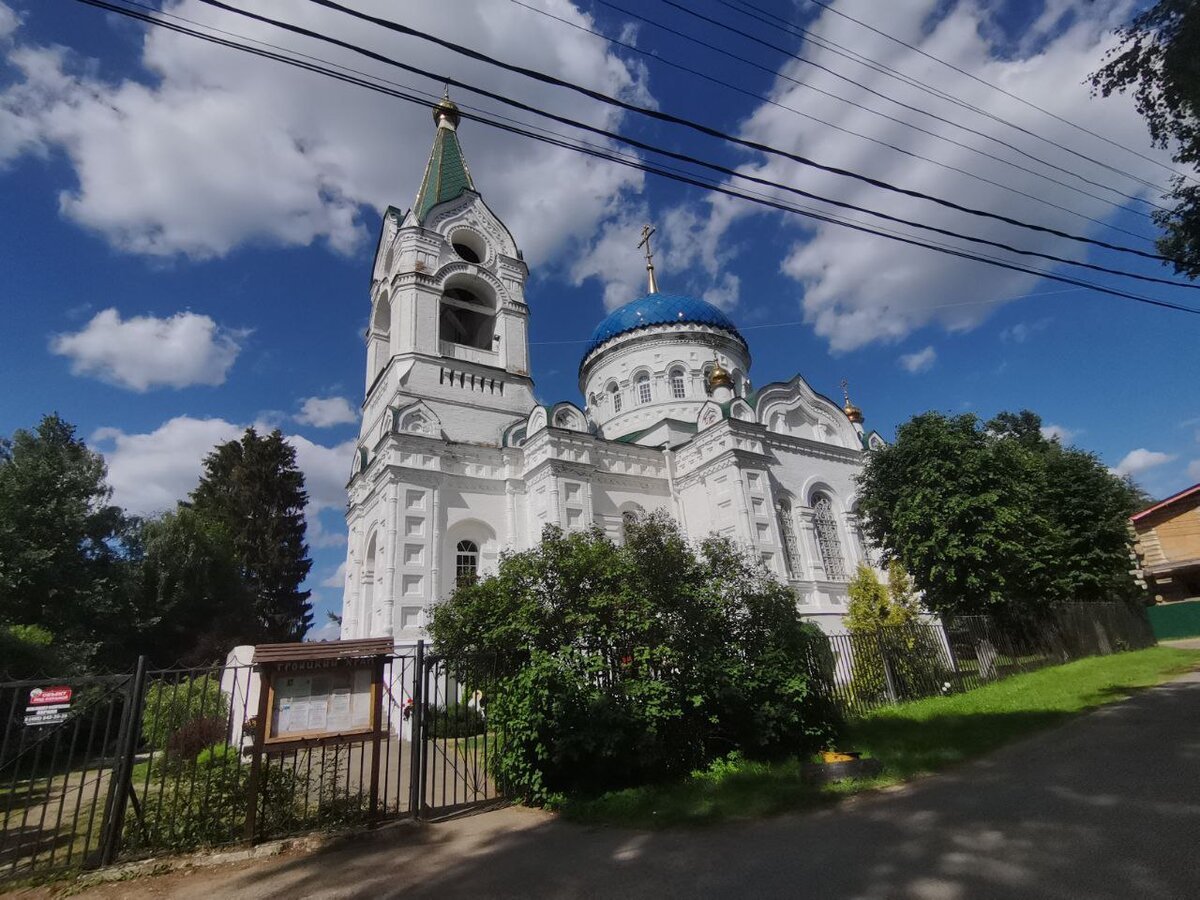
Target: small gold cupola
718,377
853,413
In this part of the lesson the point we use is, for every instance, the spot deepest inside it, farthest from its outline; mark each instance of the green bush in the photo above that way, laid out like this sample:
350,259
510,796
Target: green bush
170,706
622,665
457,720
208,806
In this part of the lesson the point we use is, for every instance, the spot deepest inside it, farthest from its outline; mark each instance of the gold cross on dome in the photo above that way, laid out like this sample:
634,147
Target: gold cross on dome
647,233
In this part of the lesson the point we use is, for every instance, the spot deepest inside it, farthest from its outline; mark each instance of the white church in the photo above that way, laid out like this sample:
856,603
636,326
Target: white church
457,461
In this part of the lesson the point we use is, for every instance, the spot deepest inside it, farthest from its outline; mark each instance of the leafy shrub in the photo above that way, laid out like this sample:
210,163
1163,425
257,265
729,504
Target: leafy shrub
457,720
888,639
171,705
192,738
621,665
208,807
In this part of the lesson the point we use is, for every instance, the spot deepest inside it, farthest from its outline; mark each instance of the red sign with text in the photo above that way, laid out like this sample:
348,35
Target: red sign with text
51,696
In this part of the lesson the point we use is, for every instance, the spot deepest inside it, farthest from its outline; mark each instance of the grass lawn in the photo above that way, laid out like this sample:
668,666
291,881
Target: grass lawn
909,739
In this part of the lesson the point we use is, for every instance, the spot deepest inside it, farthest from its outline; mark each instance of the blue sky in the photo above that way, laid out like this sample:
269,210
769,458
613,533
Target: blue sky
186,233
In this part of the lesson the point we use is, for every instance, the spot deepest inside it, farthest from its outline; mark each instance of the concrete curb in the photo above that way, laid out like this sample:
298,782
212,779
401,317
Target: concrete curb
211,859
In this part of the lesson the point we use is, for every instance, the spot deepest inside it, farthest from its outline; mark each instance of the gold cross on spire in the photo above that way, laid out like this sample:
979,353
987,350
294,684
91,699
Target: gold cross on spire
647,233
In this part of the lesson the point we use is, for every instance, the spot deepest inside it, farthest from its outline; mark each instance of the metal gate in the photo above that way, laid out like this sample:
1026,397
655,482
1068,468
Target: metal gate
102,768
456,745
58,757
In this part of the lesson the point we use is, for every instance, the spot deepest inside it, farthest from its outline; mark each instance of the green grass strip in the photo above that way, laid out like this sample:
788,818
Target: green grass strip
909,739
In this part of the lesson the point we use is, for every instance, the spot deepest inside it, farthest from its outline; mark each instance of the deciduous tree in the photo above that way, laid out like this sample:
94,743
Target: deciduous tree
1158,58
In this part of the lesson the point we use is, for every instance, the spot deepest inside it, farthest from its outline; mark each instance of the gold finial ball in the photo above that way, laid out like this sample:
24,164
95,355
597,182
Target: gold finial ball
718,377
448,110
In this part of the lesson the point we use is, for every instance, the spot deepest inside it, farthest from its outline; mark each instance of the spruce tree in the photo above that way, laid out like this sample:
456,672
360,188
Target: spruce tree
253,489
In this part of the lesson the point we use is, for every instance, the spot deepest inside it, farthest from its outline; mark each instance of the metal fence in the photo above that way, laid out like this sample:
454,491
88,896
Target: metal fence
863,671
163,761
103,768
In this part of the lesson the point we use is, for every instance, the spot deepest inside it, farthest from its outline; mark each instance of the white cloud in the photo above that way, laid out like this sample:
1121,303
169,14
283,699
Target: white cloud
857,288
1023,331
1059,433
1137,461
8,21
337,579
1193,469
324,412
920,361
214,148
150,472
145,352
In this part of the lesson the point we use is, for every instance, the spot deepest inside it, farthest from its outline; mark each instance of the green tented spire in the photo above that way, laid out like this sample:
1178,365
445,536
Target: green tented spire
446,175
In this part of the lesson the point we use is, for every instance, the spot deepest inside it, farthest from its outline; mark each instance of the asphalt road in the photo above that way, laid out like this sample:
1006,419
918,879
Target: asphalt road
1107,806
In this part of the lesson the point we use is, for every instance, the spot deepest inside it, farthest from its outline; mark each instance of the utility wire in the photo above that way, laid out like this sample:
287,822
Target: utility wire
983,134
763,99
761,15
675,120
796,322
867,109
645,167
837,12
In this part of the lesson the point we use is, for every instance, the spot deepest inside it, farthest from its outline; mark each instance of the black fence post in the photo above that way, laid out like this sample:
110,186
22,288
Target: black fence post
121,786
416,775
376,739
888,681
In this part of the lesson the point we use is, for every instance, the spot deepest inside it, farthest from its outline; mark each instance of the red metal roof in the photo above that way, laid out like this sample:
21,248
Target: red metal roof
1186,492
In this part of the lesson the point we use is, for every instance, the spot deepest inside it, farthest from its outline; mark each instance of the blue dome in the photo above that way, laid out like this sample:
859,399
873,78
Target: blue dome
658,309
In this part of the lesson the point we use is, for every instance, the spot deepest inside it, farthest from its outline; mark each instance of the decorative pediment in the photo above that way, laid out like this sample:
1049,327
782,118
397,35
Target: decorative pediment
537,420
740,409
417,418
569,416
710,414
794,409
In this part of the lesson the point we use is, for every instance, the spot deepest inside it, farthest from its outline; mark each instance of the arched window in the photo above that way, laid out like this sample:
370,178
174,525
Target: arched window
562,418
678,385
643,388
467,318
787,531
614,394
828,542
466,563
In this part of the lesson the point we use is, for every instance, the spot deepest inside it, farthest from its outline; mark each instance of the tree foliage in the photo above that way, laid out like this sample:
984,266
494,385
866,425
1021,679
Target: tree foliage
194,603
1158,58
997,518
61,544
626,664
254,491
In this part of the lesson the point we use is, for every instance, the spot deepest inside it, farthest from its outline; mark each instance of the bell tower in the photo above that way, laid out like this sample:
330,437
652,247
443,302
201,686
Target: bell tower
449,323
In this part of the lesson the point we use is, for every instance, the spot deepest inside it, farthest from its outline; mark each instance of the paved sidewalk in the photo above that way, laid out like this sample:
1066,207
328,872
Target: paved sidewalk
1107,806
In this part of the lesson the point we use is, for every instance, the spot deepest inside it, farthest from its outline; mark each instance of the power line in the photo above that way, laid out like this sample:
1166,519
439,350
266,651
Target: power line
996,87
867,109
797,322
788,27
900,103
645,167
669,118
733,87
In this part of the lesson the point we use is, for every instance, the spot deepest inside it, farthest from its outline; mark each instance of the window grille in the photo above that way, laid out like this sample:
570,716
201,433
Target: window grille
678,389
466,563
616,397
643,389
827,539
